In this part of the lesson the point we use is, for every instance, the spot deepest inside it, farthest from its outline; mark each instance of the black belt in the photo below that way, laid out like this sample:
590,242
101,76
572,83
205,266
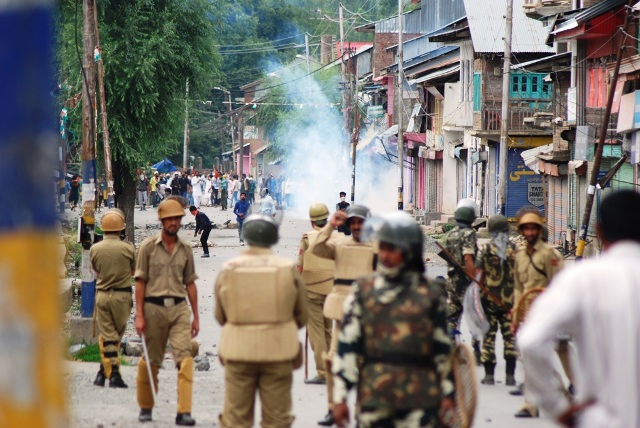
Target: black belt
164,301
343,281
399,360
124,290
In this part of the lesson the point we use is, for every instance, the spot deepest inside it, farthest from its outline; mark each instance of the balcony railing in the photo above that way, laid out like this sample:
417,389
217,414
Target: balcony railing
492,117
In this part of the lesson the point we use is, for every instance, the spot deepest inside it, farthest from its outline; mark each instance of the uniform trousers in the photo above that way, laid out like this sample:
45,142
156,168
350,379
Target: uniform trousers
112,313
272,381
319,329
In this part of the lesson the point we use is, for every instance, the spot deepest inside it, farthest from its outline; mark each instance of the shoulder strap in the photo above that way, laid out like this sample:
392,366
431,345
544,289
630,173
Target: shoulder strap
540,271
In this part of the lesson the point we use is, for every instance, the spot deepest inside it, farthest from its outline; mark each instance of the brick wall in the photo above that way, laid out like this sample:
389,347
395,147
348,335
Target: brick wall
381,57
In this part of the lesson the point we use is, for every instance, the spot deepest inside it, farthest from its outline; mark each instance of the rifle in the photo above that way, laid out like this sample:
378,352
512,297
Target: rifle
451,260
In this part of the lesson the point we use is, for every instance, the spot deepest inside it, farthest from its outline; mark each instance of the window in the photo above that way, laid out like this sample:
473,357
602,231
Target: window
530,86
477,91
597,84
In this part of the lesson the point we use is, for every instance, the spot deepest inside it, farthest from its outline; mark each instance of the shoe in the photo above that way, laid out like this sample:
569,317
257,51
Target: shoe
145,415
100,377
185,419
316,381
524,413
518,391
328,420
510,381
116,380
488,380
204,256
241,243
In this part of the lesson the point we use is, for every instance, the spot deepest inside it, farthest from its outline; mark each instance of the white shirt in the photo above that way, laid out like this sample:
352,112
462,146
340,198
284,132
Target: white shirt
267,206
597,302
195,186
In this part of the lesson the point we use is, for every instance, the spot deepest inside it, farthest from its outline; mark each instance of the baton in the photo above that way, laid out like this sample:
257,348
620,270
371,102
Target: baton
306,354
146,357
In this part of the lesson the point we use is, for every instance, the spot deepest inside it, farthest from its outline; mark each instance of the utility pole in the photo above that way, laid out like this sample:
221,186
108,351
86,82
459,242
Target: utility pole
504,119
88,156
240,145
591,190
399,90
346,98
354,137
306,46
185,150
103,115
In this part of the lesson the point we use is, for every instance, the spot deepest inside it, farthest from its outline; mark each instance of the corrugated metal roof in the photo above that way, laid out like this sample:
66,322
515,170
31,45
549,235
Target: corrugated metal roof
487,25
436,74
450,27
412,23
589,13
546,60
424,57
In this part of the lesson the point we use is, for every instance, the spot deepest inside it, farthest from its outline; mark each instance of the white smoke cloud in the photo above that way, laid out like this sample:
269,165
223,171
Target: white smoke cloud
318,158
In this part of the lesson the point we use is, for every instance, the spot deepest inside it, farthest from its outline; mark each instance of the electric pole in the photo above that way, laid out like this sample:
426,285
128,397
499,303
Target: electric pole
88,155
346,98
185,150
240,144
108,170
504,119
400,105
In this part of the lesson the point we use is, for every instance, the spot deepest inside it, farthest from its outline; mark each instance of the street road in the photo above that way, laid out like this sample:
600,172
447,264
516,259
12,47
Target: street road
92,406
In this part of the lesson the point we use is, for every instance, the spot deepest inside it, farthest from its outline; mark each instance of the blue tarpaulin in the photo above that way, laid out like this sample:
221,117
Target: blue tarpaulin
164,166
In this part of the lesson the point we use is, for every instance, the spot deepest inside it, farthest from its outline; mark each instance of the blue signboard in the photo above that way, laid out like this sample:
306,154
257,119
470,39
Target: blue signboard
524,186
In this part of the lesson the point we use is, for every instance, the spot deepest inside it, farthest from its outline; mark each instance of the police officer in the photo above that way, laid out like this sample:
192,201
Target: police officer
317,274
261,303
353,259
495,263
536,264
393,342
114,262
461,241
165,276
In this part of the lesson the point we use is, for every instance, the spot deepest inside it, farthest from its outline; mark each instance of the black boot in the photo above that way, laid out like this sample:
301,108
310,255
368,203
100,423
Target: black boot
489,369
185,419
100,377
116,380
145,415
510,371
327,421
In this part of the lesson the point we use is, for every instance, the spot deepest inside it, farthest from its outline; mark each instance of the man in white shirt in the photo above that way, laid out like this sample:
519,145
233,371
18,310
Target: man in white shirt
267,206
596,302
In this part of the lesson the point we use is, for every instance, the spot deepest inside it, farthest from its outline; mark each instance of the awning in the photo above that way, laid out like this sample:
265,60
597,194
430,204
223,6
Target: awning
235,150
371,135
437,74
530,157
275,161
261,149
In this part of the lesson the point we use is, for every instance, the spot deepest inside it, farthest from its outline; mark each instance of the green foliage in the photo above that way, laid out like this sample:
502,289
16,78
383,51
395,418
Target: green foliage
91,354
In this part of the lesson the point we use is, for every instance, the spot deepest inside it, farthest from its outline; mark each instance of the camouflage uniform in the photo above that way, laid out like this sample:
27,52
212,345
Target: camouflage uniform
459,242
498,277
393,343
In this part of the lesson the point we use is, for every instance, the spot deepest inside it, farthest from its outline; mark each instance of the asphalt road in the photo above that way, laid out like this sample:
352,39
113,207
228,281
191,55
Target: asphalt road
92,406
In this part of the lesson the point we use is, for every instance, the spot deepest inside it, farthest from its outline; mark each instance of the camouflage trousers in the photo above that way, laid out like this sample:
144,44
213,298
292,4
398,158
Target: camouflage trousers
498,319
455,298
382,418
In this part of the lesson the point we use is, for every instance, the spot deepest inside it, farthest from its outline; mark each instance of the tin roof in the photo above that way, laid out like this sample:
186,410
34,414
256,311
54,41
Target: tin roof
487,23
587,14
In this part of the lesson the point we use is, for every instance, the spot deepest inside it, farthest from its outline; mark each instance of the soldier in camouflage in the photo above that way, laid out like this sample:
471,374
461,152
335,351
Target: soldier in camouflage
461,241
495,263
393,342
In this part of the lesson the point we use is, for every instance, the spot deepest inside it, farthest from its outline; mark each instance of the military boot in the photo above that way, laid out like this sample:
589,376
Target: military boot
475,344
100,377
327,421
510,371
185,419
115,381
489,370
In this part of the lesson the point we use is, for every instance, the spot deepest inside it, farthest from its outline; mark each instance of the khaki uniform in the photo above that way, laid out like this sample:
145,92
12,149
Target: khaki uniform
113,260
536,270
167,315
317,274
260,301
353,259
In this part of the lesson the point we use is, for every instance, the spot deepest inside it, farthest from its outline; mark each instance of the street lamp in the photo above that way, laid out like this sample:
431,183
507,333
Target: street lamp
230,121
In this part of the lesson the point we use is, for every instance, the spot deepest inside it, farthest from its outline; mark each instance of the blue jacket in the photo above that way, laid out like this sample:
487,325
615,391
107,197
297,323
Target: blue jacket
241,208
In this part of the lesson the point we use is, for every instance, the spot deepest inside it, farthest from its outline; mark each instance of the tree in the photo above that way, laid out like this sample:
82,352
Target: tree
150,48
